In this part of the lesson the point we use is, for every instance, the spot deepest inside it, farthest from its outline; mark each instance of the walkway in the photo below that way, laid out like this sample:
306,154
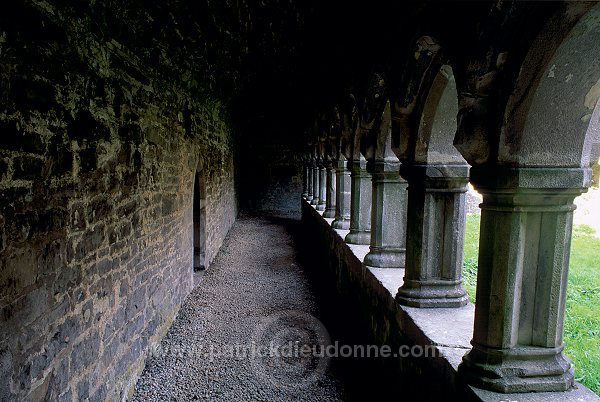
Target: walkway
254,293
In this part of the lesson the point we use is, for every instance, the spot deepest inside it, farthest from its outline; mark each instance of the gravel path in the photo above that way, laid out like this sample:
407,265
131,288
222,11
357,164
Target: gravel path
254,293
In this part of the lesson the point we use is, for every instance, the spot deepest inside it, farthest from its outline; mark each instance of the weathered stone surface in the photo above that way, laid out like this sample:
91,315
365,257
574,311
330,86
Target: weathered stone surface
342,206
331,193
447,330
518,338
388,217
316,184
321,205
360,205
435,240
96,188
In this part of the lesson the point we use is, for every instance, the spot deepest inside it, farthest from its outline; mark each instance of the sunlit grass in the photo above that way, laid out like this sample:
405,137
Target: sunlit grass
582,320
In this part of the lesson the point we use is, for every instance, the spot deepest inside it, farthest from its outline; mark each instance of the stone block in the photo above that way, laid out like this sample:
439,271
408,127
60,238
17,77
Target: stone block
66,333
60,377
85,352
61,158
83,389
97,174
100,394
136,302
3,169
27,168
66,396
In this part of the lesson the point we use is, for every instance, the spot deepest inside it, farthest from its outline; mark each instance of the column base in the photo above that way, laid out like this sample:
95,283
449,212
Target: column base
329,213
320,207
304,195
520,369
381,257
308,198
314,201
432,293
362,238
342,223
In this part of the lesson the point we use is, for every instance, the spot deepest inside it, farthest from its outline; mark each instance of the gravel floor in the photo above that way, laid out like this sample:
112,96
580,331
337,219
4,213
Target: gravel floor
254,293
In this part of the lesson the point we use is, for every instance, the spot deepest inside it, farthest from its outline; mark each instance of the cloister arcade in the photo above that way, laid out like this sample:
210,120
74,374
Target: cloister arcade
516,117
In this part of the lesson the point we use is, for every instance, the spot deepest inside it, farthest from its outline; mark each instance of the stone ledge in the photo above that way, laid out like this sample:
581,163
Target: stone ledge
421,326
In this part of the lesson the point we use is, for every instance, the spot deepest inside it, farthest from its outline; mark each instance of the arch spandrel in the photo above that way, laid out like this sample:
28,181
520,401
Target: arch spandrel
438,122
549,114
418,76
350,130
377,142
334,135
376,122
593,135
348,122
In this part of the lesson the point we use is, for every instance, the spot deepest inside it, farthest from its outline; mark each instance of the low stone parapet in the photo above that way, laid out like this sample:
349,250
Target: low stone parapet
444,333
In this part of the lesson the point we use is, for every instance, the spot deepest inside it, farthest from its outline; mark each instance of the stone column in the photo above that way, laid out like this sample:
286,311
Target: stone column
435,238
342,205
315,175
305,184
331,193
388,217
360,204
322,186
309,174
526,223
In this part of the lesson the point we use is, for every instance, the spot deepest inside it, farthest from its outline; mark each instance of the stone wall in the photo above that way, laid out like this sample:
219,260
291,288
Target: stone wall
97,161
270,180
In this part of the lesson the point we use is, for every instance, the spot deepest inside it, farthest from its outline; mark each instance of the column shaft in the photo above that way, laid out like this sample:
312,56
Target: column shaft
305,185
331,191
342,205
360,204
522,279
388,217
435,238
315,175
322,187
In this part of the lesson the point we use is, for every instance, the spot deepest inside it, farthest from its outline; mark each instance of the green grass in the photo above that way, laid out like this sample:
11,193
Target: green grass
582,319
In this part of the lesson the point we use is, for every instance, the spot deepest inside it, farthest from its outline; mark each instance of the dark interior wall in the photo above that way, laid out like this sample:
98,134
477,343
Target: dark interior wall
101,131
270,179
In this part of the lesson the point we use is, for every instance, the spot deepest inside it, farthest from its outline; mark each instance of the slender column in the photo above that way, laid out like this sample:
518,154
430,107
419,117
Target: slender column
342,205
526,223
311,186
388,217
305,185
331,193
322,187
315,175
360,204
435,238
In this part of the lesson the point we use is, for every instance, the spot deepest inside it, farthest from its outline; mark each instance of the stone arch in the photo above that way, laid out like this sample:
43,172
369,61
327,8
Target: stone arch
513,111
529,166
199,219
411,95
334,134
425,115
425,123
549,118
349,116
433,142
341,129
375,120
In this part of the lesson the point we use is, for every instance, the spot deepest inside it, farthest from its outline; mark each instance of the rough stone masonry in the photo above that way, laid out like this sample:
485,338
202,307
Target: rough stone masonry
98,154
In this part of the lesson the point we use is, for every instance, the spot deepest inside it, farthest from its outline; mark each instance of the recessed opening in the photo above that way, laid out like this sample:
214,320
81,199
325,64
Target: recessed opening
199,221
